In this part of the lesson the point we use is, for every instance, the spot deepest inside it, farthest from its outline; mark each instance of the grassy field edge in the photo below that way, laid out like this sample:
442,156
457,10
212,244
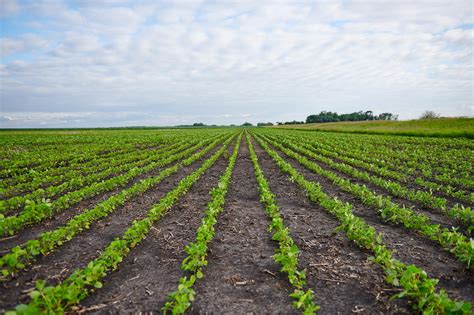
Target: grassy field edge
441,127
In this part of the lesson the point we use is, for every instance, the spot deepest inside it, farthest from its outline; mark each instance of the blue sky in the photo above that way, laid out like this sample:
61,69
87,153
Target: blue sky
88,63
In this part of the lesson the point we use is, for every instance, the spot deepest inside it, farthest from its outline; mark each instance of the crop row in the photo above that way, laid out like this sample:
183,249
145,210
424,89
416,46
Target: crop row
33,175
36,212
412,151
287,252
109,168
91,154
61,178
21,256
342,163
180,299
451,240
357,160
416,284
39,152
433,163
43,160
58,299
464,214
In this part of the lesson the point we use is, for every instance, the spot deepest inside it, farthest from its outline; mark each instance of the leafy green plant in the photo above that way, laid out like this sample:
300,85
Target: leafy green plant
20,256
287,253
36,212
58,299
414,281
451,240
180,299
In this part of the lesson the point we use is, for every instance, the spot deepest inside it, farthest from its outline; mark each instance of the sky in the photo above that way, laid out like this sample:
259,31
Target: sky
91,63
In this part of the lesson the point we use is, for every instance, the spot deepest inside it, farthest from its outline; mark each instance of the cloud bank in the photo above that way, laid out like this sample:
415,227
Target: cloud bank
118,63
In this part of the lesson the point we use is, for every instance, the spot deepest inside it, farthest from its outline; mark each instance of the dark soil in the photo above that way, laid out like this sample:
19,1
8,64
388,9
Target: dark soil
17,211
86,246
65,168
343,280
152,269
64,216
410,247
242,277
410,184
436,216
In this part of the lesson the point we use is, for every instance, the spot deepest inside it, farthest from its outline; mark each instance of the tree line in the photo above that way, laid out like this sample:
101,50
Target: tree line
325,116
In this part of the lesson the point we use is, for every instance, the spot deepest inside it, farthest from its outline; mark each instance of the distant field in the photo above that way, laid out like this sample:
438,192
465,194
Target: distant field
442,127
235,220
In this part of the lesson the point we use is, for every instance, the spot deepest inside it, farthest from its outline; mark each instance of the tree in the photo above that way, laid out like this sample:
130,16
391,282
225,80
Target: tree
429,114
324,116
387,116
369,115
262,124
294,122
311,119
247,124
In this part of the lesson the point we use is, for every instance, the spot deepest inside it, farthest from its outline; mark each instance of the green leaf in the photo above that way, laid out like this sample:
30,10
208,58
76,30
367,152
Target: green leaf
35,294
199,274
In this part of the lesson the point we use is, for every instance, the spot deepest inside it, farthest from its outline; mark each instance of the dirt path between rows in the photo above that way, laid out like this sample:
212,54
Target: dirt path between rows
242,277
86,246
410,247
78,167
152,269
436,216
65,215
408,184
342,278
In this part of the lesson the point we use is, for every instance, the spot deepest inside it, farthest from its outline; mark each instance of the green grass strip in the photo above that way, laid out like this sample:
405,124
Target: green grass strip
180,300
416,284
287,253
60,298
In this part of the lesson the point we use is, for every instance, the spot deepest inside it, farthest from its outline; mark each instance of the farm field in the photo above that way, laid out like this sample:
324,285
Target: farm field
440,127
232,220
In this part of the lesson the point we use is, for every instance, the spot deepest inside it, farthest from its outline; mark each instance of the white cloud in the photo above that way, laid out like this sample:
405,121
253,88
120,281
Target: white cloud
22,44
275,58
8,8
118,118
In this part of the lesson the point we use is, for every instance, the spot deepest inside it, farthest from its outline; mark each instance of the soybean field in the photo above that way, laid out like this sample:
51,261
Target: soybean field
235,220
